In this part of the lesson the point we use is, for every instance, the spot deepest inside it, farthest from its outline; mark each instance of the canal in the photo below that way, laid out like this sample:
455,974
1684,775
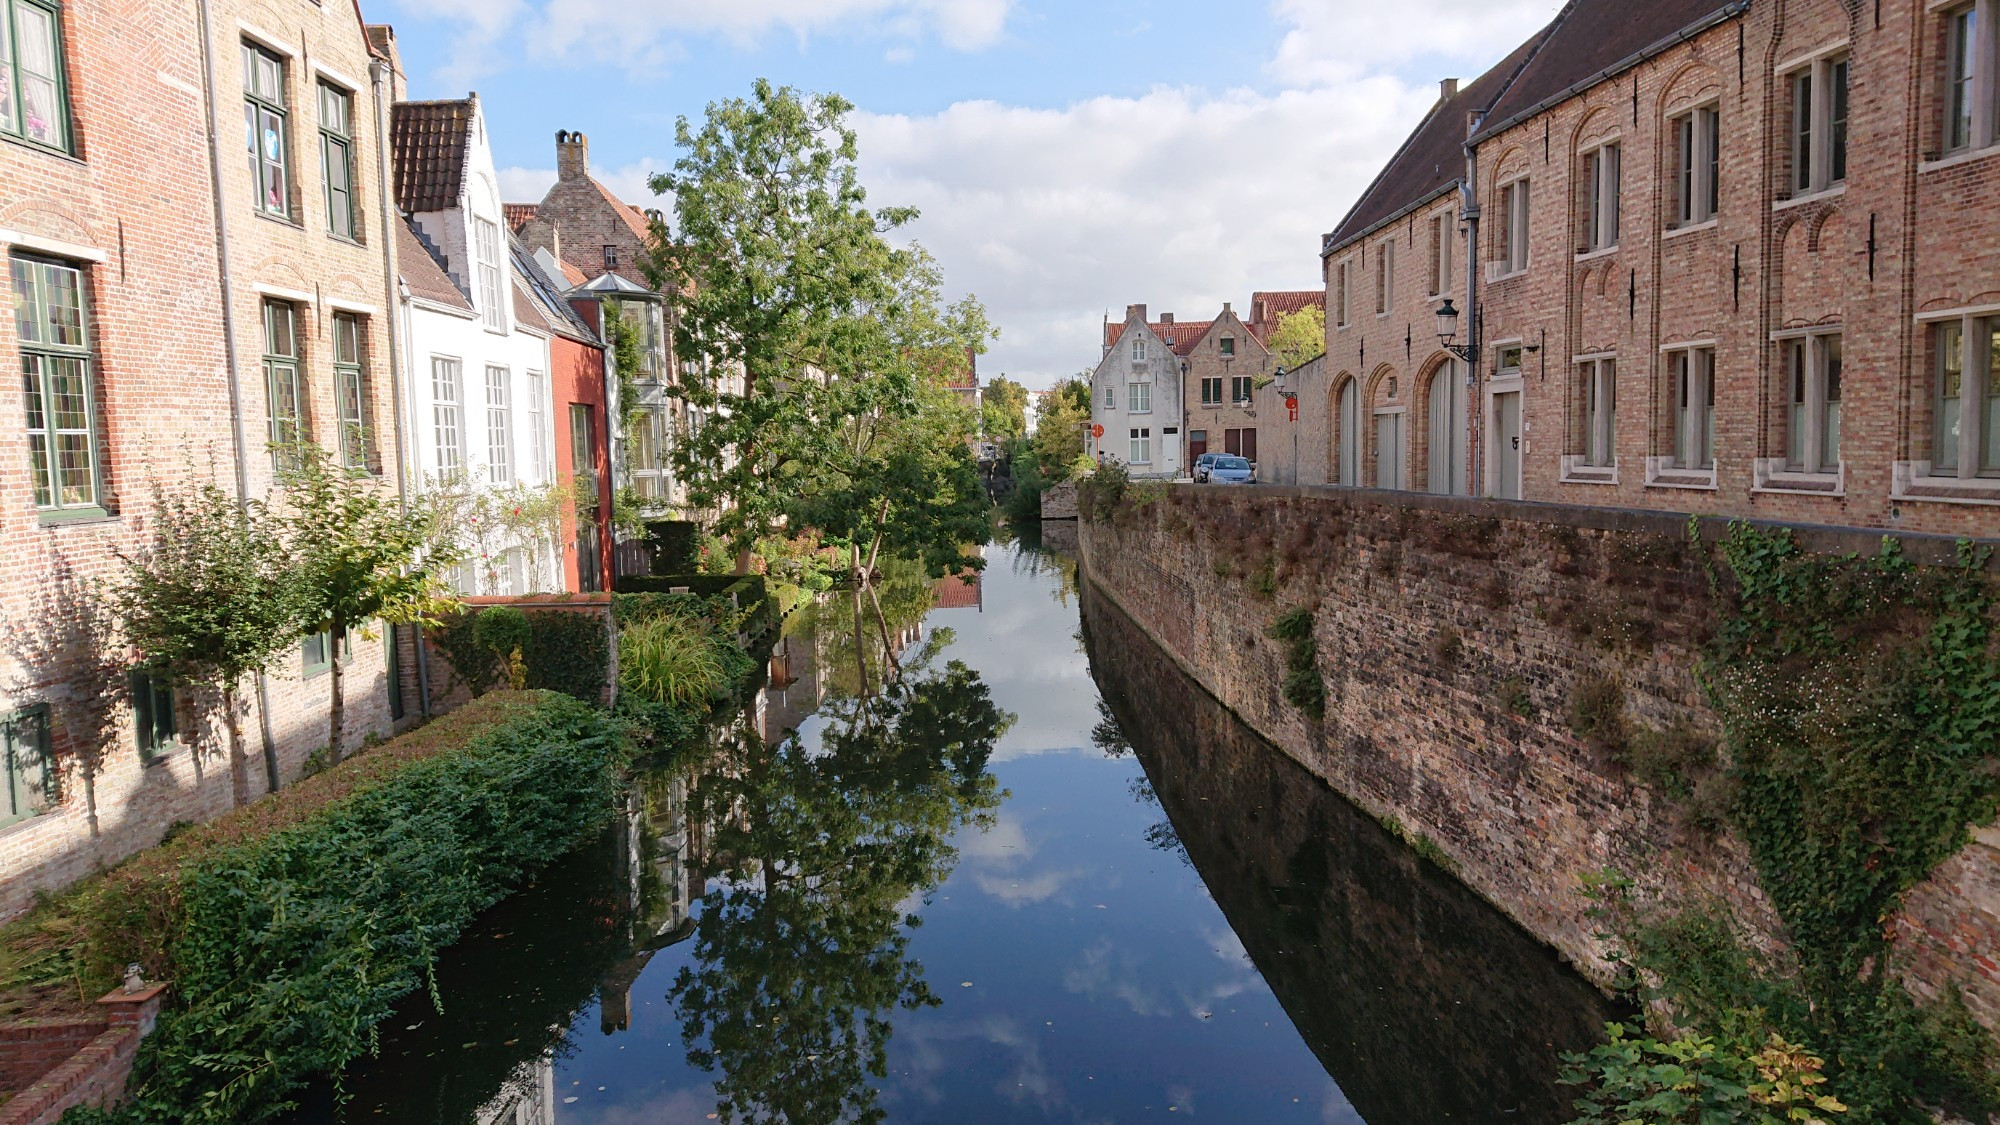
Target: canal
1033,874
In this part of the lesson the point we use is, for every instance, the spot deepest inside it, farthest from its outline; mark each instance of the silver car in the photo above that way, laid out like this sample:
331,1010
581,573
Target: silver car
1227,469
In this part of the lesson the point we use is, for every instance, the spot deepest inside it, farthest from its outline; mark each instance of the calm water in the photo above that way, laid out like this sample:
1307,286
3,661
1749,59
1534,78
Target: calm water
1040,877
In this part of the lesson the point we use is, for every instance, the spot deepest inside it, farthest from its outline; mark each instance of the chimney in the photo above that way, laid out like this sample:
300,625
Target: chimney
572,156
1166,318
1447,89
1138,311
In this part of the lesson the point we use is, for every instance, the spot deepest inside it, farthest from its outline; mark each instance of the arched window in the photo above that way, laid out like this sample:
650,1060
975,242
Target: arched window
1447,474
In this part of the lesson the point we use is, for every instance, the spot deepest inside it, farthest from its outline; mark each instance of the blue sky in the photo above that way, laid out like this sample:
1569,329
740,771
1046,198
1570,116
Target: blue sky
1069,158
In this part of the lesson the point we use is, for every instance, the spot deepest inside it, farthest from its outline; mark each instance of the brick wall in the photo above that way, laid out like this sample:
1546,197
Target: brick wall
1454,635
49,1066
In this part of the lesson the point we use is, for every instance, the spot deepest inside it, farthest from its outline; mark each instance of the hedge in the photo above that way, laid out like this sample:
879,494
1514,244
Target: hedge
747,591
567,651
292,927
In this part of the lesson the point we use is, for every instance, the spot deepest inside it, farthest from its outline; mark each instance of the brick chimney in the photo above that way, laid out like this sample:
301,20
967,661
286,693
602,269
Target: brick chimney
1166,318
1138,311
1447,89
572,155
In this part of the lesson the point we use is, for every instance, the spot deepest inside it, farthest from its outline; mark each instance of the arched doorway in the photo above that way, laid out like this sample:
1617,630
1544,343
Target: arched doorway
1447,445
1347,434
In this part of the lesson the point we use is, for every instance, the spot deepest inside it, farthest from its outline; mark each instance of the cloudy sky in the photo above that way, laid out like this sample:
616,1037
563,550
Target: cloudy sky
1069,157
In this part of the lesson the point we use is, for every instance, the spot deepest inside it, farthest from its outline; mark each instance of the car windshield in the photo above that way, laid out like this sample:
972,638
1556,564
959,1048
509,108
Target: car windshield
1231,463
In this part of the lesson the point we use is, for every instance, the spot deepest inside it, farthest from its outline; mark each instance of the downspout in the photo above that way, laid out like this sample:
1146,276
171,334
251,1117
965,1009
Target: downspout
1475,413
236,436
378,74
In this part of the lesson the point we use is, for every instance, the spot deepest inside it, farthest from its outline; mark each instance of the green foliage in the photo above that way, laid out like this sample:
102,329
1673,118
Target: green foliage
1004,409
1860,704
291,927
501,630
1060,421
564,650
1299,337
1264,581
1304,687
1597,712
1697,1080
1512,695
1103,490
627,341
1024,502
673,660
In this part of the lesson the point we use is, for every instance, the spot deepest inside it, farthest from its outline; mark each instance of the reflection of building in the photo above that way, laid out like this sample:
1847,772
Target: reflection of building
663,883
528,1098
954,592
796,685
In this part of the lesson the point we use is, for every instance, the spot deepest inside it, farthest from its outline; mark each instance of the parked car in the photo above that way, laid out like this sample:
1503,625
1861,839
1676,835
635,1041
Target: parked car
1226,469
1201,464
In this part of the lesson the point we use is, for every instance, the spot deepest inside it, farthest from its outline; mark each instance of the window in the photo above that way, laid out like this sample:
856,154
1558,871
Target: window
336,157
31,783
264,128
1513,230
499,428
1972,94
1697,166
1111,398
1441,235
1211,390
57,377
1385,277
1819,126
1340,295
1140,398
486,251
583,448
1693,391
1142,447
1966,411
282,383
152,711
34,103
1228,347
1138,349
1812,412
611,257
350,390
447,425
1239,388
538,426
315,652
649,463
1600,199
1597,382
1507,362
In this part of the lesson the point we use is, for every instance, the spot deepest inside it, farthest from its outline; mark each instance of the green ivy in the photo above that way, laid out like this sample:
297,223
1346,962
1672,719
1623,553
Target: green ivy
1860,705
1304,687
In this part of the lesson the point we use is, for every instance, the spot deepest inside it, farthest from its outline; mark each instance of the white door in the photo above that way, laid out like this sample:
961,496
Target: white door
1349,435
1389,451
1507,445
1447,470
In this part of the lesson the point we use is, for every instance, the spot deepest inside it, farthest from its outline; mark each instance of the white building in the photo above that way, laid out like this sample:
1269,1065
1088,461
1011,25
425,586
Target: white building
1135,396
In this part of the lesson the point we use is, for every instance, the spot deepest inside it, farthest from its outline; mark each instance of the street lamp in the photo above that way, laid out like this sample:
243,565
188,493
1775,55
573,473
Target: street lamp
1448,331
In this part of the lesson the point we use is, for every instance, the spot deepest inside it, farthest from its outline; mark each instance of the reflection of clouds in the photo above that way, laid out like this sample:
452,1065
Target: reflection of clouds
1105,972
1018,892
676,1105
927,1049
1005,841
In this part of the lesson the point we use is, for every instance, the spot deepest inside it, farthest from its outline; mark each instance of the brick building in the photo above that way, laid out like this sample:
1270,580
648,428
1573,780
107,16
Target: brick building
178,307
1732,257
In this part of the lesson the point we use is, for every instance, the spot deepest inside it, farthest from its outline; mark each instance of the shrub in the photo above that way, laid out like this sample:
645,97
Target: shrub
1697,1080
1597,713
291,927
671,660
504,631
1303,686
566,650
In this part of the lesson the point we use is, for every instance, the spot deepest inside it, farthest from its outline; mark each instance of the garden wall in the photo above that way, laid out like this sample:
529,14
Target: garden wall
1454,636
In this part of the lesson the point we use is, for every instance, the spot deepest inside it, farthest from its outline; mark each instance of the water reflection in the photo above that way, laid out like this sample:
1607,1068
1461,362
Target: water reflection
1424,1003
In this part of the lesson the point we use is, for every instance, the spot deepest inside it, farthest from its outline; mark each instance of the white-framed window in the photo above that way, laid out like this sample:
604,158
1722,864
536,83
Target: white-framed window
1142,447
284,384
1512,245
58,378
1240,387
1965,420
1599,198
34,94
1812,403
336,158
1507,361
1441,235
1385,276
1597,391
1819,125
486,255
447,423
538,425
1140,398
1971,88
1138,348
1111,398
499,427
264,129
350,389
1340,289
1692,371
1697,188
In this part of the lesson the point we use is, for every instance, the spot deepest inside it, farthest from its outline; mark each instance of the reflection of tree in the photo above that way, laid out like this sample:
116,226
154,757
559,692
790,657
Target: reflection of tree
801,952
1033,560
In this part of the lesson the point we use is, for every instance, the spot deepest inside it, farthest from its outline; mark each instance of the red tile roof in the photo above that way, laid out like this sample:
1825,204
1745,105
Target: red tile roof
429,142
519,215
525,312
1180,335
422,272
954,592
1267,309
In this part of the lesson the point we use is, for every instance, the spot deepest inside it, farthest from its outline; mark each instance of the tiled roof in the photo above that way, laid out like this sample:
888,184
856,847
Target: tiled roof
422,271
1267,309
525,312
954,592
1180,335
574,276
1433,158
1593,40
519,215
429,142
548,299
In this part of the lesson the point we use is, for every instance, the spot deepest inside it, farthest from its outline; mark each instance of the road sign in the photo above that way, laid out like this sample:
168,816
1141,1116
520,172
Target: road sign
1097,431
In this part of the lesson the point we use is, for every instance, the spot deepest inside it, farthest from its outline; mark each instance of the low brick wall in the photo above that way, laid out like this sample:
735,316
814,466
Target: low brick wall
48,1067
1453,635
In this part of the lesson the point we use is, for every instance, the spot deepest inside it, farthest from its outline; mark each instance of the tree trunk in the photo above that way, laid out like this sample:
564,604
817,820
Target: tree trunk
239,763
882,620
89,769
272,776
860,637
334,716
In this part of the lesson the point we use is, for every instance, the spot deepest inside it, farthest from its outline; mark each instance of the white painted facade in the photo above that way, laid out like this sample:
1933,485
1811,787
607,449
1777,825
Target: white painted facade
1135,394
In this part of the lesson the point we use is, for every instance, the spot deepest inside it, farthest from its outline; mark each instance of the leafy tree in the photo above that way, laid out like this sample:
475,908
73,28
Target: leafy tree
776,268
1299,337
1059,426
213,599
1005,409
360,557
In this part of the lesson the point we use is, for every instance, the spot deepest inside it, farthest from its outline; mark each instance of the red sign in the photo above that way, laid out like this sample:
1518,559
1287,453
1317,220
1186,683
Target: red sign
1097,431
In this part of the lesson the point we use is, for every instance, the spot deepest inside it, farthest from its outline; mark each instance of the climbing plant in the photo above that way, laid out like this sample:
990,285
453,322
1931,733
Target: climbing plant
1304,688
1860,706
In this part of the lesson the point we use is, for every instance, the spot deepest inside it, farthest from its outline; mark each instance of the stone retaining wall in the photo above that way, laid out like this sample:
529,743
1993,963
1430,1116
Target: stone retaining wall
1454,635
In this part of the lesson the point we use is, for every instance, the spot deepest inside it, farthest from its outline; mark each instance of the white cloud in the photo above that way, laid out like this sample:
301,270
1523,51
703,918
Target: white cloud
1333,41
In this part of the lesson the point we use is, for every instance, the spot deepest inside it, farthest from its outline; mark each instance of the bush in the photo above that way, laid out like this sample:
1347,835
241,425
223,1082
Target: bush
291,927
1303,686
566,651
671,660
1698,1081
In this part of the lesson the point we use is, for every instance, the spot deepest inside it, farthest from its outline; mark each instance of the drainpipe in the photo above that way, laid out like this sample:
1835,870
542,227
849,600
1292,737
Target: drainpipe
237,439
1476,404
